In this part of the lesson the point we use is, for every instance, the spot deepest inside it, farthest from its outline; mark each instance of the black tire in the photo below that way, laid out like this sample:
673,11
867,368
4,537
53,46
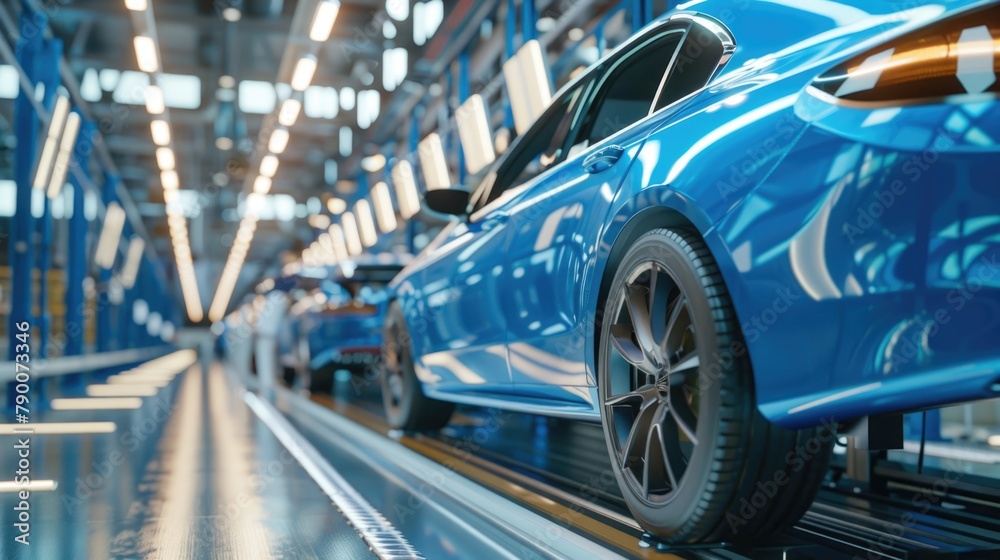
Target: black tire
406,406
321,381
288,375
699,463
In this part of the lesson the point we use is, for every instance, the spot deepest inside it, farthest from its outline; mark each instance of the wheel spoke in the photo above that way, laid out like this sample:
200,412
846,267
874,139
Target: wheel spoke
659,301
621,338
635,446
674,336
683,416
676,462
633,398
655,473
638,310
687,362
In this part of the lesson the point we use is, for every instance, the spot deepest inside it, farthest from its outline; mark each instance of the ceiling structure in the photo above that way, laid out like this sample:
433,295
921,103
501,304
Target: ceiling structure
195,40
224,58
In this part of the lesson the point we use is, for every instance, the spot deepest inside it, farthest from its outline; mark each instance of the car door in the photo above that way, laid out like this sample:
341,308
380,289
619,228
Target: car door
464,331
554,227
460,339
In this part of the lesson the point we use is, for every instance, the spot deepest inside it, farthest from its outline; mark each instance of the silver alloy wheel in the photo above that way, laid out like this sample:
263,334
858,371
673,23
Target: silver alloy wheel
652,400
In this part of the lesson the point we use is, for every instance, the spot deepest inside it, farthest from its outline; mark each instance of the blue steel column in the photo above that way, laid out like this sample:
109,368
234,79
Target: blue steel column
642,13
528,20
48,75
510,48
76,265
26,130
411,225
122,312
104,281
463,95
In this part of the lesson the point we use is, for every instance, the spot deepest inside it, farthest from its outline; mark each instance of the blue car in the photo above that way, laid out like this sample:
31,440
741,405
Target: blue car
747,227
342,328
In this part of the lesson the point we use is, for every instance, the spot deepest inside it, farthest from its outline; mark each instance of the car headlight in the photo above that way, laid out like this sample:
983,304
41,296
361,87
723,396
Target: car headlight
956,56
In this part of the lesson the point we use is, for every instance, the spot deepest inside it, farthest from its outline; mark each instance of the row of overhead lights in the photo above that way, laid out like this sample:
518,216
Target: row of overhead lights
276,141
529,92
50,178
147,56
359,229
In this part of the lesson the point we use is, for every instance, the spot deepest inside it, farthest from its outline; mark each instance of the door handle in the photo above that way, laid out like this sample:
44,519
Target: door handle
603,159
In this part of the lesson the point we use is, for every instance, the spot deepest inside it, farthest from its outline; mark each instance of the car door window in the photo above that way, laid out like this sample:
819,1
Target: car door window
539,149
705,49
670,63
629,86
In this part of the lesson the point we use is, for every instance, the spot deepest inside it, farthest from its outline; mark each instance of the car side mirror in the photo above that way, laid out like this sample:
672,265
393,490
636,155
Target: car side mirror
448,201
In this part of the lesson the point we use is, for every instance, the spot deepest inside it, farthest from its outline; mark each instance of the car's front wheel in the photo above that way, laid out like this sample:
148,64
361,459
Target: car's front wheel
693,457
406,406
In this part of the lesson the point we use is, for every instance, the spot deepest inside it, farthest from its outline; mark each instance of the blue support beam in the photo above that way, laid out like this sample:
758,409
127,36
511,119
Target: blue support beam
411,225
510,44
49,76
642,13
464,89
76,265
29,55
123,313
528,20
510,48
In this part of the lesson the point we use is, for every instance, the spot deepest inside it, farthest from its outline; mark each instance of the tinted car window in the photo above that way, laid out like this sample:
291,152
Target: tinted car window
698,59
629,87
541,147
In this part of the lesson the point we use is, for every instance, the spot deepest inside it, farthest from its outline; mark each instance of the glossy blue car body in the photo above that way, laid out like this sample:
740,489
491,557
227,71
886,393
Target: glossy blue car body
861,246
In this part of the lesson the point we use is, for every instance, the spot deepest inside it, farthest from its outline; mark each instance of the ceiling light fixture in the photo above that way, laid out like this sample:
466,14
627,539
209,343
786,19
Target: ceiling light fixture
169,180
111,232
56,126
262,185
373,164
133,258
269,166
433,163
165,159
336,206
145,53
406,189
155,104
161,132
278,141
65,153
351,234
303,74
289,112
383,208
323,19
366,225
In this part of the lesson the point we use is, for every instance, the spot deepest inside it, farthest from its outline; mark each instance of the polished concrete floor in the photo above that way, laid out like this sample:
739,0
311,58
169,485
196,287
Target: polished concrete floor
191,474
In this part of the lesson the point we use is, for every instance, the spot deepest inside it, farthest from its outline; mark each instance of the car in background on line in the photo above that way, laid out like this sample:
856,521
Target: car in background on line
340,327
724,241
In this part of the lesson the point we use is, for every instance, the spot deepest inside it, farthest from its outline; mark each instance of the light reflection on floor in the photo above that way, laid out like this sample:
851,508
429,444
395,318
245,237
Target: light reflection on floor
187,475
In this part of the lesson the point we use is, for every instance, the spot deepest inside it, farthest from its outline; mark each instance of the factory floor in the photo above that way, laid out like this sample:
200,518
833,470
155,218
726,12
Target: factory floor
191,474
